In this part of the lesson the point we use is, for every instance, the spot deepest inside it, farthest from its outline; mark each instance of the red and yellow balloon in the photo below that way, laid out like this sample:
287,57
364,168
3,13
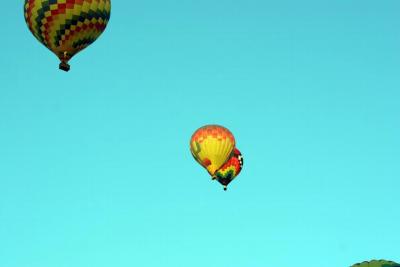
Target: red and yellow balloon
230,169
213,147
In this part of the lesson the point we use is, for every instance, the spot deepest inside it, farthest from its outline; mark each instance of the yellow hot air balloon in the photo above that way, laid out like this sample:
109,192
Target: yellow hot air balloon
67,26
212,146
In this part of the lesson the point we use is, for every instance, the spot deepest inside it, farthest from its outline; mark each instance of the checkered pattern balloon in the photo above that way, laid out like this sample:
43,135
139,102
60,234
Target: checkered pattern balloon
377,263
67,26
230,169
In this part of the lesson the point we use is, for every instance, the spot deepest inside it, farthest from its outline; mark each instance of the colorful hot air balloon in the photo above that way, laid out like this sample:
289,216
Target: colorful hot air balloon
375,263
212,146
67,26
230,169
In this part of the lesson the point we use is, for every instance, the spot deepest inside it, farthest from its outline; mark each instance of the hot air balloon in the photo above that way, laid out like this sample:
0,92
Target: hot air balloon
230,169
212,146
377,263
66,27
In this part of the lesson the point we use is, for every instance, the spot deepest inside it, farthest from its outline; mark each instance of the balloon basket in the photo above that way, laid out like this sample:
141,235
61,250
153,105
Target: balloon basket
64,66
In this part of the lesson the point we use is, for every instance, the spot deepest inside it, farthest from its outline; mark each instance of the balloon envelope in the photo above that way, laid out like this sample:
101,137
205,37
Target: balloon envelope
212,146
377,263
67,26
230,169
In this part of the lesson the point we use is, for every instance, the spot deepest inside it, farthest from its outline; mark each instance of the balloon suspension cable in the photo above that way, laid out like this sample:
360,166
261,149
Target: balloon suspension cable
64,65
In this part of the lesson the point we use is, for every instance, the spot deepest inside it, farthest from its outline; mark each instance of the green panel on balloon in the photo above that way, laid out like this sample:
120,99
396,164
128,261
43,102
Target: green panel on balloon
377,263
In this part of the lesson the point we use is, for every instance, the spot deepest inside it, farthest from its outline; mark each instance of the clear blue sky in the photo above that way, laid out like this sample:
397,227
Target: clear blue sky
95,168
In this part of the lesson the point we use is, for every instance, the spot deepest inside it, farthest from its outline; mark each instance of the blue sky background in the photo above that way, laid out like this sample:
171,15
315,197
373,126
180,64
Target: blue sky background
95,168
